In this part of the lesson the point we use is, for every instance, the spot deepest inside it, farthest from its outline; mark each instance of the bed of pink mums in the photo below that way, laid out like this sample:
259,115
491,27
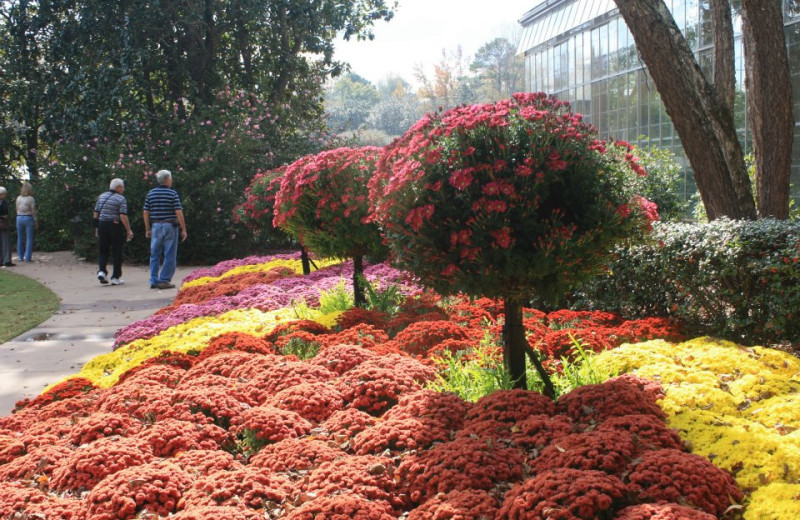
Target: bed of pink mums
241,432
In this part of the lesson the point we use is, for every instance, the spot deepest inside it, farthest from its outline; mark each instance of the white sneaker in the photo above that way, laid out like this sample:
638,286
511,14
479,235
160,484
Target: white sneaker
117,281
101,275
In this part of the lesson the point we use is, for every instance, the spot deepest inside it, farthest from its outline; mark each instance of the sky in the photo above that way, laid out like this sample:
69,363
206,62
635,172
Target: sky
421,29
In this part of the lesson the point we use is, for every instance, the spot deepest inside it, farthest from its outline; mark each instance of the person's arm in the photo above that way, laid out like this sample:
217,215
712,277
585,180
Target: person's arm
182,223
125,222
146,218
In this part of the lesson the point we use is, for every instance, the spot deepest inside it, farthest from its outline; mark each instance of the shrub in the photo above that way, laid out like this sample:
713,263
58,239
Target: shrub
323,202
503,199
735,279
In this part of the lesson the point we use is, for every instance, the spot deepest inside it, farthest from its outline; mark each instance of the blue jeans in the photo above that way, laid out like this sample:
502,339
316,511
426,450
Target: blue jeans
25,225
163,241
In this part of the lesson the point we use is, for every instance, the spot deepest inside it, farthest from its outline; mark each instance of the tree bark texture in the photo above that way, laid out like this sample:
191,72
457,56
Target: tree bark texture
305,261
702,121
769,103
724,54
358,289
514,342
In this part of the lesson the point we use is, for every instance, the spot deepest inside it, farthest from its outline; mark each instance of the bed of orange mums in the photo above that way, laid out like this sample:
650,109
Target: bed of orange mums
239,431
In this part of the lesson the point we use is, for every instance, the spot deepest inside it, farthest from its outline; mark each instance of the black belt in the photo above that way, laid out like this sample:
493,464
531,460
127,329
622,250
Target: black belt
166,221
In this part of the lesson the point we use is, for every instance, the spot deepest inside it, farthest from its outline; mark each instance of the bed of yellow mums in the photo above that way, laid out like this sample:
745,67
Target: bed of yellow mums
738,406
294,265
105,369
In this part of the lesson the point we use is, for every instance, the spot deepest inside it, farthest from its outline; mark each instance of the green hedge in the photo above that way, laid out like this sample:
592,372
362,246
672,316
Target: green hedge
734,279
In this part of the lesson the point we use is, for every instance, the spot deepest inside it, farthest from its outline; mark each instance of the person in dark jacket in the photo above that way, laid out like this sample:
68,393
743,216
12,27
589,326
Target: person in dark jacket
5,230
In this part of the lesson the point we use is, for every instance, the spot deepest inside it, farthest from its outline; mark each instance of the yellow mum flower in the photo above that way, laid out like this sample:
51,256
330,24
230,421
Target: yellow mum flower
782,411
778,501
295,265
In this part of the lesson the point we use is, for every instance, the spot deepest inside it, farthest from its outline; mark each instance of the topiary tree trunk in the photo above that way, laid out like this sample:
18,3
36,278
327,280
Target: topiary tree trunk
359,299
305,261
515,346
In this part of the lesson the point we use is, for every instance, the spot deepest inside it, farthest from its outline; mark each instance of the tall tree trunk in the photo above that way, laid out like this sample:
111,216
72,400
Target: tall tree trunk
515,345
769,103
702,121
359,299
724,54
305,261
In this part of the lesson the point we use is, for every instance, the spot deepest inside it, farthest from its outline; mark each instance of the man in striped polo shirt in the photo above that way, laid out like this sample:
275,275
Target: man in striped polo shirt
163,216
111,218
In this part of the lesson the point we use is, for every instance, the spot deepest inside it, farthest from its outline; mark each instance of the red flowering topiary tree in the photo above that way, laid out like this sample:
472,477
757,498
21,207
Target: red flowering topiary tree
505,199
323,200
258,210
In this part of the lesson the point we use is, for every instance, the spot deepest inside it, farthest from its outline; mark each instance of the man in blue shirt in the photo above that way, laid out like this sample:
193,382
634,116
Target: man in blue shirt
163,216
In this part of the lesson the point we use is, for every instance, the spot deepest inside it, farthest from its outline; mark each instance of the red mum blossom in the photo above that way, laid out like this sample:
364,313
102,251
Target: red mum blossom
291,326
566,318
172,436
375,389
363,335
11,447
90,464
223,364
61,427
141,400
269,424
344,424
538,431
216,402
649,432
280,376
70,388
37,462
358,316
16,497
217,513
486,431
165,374
401,434
566,494
292,455
156,487
75,407
367,476
57,507
236,342
248,486
458,465
674,476
468,504
448,408
422,336
662,512
510,406
608,451
341,358
341,507
247,369
103,424
314,402
204,462
595,403
420,372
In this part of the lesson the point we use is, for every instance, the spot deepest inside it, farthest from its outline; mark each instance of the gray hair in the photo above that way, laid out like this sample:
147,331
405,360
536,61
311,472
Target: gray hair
163,175
3,190
116,183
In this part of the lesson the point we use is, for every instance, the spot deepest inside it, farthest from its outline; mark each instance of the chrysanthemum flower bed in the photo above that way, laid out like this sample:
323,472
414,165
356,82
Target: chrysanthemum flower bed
211,422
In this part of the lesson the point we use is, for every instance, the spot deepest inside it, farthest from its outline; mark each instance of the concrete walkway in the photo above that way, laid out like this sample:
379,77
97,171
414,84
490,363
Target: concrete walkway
83,326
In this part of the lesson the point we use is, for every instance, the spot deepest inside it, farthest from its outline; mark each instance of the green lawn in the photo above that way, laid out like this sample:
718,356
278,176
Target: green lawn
24,303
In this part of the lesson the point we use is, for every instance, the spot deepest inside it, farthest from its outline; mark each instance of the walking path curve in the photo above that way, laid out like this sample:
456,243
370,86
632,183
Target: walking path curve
81,328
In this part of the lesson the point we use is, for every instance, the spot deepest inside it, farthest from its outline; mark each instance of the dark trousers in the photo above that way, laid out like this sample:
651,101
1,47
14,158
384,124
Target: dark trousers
112,238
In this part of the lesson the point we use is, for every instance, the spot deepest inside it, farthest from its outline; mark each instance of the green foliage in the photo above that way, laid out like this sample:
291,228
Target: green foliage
336,299
663,183
387,300
301,348
499,68
735,279
472,373
579,372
